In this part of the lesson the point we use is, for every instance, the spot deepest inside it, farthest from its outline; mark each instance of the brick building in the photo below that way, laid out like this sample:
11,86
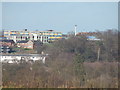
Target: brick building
25,44
7,42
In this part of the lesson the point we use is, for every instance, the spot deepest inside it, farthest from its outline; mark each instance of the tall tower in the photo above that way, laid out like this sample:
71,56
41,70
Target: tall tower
75,30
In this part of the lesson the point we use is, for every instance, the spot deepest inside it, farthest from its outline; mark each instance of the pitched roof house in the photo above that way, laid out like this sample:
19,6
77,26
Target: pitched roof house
25,44
7,42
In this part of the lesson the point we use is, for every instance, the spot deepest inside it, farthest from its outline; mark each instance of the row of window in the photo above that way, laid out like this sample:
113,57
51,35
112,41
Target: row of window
32,37
41,33
27,35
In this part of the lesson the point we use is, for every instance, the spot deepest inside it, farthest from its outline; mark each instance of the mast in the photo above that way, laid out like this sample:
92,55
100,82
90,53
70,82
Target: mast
75,30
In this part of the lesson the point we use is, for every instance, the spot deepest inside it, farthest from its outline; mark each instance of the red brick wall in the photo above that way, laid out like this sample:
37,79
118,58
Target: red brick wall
7,43
26,45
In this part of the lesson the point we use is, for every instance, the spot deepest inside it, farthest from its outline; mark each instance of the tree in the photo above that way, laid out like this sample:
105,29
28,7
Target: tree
79,69
110,44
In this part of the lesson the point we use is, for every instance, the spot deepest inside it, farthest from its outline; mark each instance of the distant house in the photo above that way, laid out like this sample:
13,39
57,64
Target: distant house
93,38
25,44
6,42
87,33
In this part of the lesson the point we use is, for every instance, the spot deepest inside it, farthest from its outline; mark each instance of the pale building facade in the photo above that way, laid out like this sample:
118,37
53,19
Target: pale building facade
43,36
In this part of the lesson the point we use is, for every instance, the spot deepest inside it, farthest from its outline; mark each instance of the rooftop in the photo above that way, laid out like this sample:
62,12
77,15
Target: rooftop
5,40
23,41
